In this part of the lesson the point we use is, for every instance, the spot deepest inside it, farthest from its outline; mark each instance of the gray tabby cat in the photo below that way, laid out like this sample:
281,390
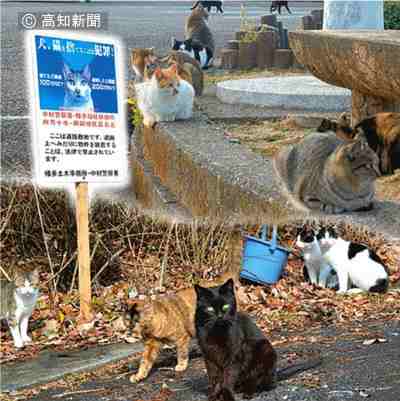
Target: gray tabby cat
328,174
17,302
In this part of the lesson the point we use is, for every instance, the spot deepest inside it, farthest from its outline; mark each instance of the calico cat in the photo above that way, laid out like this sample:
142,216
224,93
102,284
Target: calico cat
198,31
77,89
17,302
355,264
139,58
382,132
238,357
166,320
316,269
188,69
209,4
325,173
197,52
166,97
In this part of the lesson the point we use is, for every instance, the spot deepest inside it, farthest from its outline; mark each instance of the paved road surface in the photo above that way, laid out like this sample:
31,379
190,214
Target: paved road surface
137,24
350,371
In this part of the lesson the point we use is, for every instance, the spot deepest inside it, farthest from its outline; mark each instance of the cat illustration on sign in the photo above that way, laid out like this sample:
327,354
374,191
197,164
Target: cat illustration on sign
78,93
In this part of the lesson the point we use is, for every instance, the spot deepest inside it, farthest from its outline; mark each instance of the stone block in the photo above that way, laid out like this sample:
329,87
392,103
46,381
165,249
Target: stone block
266,45
239,35
270,19
283,58
307,22
285,39
229,58
233,45
247,55
317,16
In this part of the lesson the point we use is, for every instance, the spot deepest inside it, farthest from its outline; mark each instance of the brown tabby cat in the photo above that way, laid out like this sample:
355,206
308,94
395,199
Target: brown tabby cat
166,320
382,132
326,173
188,68
139,58
197,29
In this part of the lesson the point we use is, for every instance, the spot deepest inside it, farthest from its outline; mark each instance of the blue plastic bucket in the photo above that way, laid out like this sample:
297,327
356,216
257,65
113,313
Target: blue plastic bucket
263,261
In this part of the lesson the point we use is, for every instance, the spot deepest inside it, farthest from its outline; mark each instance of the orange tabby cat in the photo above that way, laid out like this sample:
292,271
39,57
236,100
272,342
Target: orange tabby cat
167,320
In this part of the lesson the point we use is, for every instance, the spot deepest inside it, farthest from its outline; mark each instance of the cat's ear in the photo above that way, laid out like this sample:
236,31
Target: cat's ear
201,291
173,41
227,288
66,70
150,51
86,72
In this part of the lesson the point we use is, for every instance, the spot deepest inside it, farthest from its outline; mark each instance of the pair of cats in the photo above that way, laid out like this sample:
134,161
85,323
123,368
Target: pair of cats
329,174
77,89
199,40
330,260
238,356
382,132
17,301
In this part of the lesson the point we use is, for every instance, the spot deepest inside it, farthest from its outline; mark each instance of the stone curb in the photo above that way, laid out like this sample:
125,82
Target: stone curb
213,178
302,92
50,366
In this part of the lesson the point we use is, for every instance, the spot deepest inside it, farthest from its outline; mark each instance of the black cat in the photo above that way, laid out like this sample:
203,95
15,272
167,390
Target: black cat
238,356
209,4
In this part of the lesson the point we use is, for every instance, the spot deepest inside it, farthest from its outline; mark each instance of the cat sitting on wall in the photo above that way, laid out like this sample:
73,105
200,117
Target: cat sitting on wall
166,97
328,174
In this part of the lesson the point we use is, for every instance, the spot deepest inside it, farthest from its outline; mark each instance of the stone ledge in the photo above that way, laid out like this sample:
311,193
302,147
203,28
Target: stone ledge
214,178
220,180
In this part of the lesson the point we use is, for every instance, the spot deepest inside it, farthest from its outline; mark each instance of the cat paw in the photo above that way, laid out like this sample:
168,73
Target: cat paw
136,378
181,367
27,340
19,344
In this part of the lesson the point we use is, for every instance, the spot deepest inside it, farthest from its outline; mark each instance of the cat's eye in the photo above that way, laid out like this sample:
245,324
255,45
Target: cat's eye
84,82
210,309
225,307
71,81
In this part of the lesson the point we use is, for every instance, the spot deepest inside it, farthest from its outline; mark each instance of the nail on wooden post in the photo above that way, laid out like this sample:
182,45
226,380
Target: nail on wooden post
82,222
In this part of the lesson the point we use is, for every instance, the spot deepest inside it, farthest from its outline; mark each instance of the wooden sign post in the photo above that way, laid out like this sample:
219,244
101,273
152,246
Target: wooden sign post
82,222
78,139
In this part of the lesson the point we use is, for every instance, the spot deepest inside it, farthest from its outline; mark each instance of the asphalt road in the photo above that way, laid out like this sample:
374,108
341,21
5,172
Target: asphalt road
351,370
137,24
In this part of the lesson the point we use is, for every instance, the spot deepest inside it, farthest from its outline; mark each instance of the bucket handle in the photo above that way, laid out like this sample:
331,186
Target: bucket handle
274,239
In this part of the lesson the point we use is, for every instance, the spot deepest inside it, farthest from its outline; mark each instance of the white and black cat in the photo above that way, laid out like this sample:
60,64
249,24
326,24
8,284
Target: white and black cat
17,302
199,53
354,263
316,269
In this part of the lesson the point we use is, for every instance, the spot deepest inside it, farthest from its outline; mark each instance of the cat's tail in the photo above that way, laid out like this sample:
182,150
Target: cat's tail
286,373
